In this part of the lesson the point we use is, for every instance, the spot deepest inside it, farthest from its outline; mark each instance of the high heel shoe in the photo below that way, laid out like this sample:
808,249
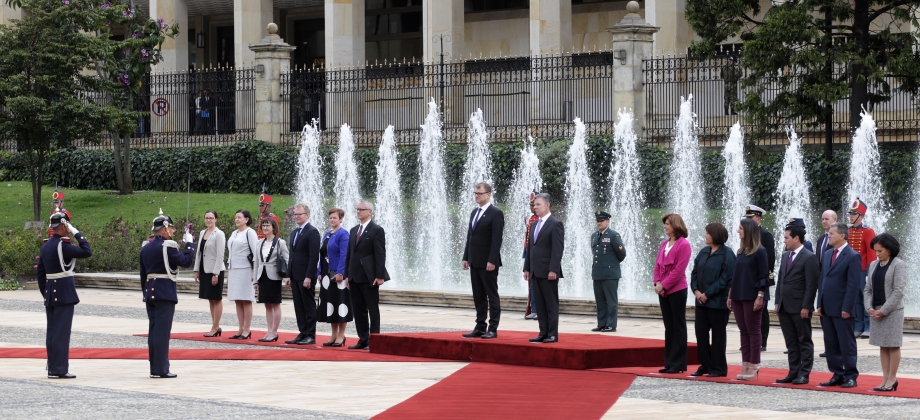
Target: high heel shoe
329,343
215,334
236,336
334,344
752,373
269,340
893,387
745,367
246,337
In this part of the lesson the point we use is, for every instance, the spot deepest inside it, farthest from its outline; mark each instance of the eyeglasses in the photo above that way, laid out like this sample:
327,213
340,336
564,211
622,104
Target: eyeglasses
210,218
362,209
299,214
480,193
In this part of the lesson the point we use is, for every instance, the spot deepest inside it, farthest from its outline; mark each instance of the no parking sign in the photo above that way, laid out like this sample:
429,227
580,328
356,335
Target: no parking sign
160,107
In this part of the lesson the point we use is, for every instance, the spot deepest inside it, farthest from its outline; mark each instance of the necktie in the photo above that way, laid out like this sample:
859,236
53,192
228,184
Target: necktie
823,244
789,261
834,257
536,230
476,219
296,235
360,231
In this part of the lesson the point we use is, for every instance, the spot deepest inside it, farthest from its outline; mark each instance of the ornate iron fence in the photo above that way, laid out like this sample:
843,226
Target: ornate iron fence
715,86
539,96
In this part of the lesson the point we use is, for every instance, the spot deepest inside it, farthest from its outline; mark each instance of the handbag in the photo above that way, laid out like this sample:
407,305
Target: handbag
280,262
249,257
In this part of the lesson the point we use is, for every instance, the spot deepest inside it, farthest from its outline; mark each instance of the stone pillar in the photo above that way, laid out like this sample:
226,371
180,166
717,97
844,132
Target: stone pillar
175,50
272,59
550,27
632,42
443,17
8,13
675,34
344,21
249,19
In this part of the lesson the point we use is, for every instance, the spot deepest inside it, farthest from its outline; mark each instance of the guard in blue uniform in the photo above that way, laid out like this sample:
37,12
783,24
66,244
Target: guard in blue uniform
160,261
54,270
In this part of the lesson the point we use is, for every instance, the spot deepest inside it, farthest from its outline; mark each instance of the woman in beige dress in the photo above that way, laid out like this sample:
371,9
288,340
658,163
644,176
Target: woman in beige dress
884,298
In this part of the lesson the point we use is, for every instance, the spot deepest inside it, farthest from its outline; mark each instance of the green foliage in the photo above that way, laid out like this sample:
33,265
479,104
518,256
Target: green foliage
19,250
9,284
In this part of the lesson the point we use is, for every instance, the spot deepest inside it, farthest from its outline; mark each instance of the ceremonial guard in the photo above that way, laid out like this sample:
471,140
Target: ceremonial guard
265,205
159,261
799,222
531,310
57,205
860,238
766,239
54,271
605,271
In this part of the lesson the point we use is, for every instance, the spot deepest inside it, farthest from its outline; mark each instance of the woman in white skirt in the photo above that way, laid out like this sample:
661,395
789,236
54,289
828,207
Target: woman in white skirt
240,279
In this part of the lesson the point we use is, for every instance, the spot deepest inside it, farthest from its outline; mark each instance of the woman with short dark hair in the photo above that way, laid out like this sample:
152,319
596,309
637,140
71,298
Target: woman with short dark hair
710,280
746,296
884,298
241,276
209,269
670,281
271,268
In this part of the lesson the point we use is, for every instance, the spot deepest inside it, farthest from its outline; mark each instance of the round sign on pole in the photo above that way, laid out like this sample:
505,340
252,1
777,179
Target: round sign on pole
160,107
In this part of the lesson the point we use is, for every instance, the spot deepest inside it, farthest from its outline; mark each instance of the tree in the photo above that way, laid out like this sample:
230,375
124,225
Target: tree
44,78
803,56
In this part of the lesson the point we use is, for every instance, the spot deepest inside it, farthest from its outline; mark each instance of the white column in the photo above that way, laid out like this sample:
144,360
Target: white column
8,13
174,50
632,42
675,34
344,33
250,17
272,59
443,17
550,27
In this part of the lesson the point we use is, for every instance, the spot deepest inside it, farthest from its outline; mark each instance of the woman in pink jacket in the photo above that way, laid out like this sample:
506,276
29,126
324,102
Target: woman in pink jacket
671,286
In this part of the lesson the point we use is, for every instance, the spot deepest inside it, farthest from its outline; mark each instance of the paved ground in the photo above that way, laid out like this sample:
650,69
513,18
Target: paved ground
279,389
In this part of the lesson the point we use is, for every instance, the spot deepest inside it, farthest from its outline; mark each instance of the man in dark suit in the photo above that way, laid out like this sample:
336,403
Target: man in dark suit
54,271
365,271
482,256
828,218
796,286
837,294
304,257
766,239
543,263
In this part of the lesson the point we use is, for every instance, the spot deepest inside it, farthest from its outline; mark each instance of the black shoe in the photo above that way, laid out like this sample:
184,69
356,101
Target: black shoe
334,344
823,354
306,341
474,334
268,340
164,375
551,339
235,336
597,329
62,376
216,333
608,329
362,345
669,371
764,348
698,373
716,375
801,380
786,352
538,339
832,382
490,334
296,339
786,380
849,384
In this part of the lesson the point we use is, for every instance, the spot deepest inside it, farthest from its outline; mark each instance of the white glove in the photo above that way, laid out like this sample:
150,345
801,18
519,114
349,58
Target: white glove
188,237
71,229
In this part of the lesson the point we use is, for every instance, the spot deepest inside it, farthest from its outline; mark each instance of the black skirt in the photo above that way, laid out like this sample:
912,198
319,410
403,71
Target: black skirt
208,291
269,290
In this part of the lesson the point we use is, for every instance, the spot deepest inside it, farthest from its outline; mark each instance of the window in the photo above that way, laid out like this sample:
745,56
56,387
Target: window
393,30
472,6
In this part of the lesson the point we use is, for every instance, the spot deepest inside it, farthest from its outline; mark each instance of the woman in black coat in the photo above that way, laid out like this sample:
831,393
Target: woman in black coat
710,281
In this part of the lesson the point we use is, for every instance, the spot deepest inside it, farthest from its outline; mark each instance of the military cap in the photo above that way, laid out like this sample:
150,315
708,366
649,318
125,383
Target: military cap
161,221
751,210
858,206
601,215
796,222
57,218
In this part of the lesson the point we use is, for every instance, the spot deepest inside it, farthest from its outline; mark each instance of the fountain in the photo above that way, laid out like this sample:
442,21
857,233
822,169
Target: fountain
434,235
579,214
627,205
792,196
346,189
389,211
478,167
526,179
865,181
310,175
736,194
685,187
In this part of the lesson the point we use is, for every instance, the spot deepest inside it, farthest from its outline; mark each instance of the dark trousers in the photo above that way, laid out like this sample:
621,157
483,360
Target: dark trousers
861,315
160,318
711,356
485,297
674,315
840,347
605,295
305,308
797,333
365,299
748,321
546,295
57,338
764,324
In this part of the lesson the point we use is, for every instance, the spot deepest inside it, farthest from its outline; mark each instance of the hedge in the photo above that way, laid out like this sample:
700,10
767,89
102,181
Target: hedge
243,167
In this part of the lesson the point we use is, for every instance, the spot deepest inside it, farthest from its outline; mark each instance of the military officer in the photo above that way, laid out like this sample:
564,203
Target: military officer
608,253
54,271
159,261
57,206
265,205
860,239
766,239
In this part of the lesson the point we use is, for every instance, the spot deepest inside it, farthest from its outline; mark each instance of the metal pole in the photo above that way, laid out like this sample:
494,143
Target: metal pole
442,73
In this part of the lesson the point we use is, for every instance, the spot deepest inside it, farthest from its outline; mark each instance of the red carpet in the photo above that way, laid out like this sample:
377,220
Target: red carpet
573,351
215,354
907,388
254,340
490,391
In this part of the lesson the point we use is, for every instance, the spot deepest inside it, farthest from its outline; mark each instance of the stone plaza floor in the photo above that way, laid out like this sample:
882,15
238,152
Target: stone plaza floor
107,389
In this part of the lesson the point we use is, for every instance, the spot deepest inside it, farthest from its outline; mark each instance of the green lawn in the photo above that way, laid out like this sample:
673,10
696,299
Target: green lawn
95,208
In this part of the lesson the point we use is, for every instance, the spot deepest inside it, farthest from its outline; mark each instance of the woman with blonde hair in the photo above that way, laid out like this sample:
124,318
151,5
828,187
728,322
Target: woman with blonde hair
670,281
747,295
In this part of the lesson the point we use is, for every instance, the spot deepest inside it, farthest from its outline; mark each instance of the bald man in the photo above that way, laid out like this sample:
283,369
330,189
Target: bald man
828,218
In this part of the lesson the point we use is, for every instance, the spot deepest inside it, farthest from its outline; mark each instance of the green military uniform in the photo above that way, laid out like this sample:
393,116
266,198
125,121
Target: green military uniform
605,271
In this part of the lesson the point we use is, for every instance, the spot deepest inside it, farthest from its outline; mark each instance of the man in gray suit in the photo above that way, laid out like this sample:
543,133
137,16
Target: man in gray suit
543,263
795,297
